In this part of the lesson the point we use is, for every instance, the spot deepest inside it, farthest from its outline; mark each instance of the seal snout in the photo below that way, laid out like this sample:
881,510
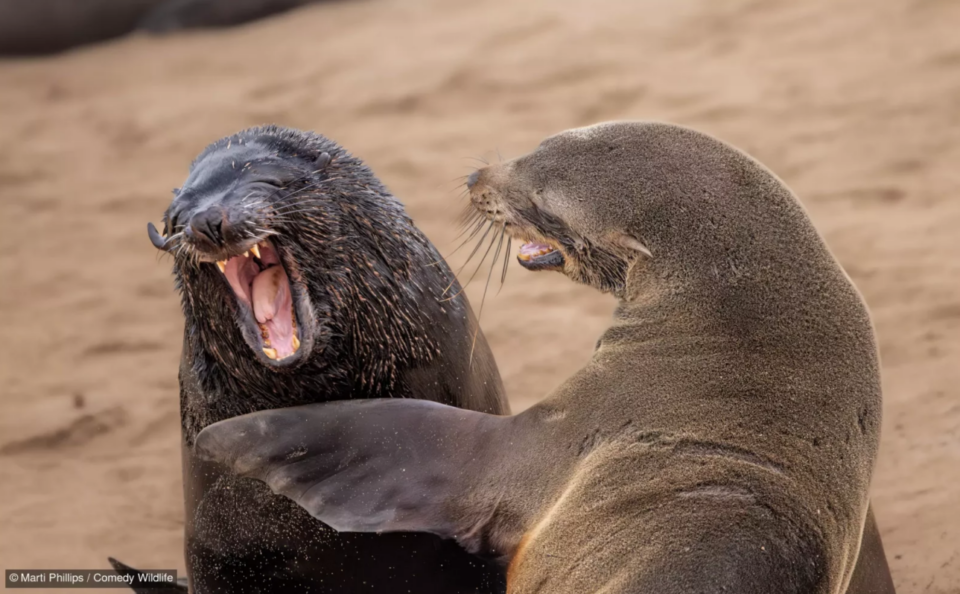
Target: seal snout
209,226
229,220
472,179
539,252
216,231
255,273
253,269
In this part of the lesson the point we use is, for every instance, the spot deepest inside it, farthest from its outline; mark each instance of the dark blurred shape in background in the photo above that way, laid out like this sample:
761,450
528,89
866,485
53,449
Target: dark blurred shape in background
47,26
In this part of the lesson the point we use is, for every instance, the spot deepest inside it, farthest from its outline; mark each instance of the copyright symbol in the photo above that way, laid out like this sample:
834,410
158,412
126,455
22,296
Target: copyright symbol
13,577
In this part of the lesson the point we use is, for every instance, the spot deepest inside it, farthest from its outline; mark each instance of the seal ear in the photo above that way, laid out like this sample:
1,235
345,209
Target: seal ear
631,243
363,466
156,239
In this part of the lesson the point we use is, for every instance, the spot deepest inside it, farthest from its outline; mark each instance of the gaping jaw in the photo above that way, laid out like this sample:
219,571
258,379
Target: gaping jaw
267,303
540,256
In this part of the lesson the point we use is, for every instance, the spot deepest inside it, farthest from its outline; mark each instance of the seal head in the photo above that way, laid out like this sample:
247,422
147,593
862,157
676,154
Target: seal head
241,211
549,200
288,246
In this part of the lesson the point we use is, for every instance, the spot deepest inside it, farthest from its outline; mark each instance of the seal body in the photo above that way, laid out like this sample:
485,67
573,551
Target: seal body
303,280
47,26
722,437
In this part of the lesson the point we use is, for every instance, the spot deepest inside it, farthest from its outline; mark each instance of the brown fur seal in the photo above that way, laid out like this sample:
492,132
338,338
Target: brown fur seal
721,439
303,280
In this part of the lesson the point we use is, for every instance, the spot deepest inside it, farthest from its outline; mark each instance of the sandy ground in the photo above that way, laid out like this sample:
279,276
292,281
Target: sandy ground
856,104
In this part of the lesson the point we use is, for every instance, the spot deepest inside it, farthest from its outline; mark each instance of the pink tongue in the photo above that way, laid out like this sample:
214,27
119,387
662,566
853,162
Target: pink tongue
272,307
240,273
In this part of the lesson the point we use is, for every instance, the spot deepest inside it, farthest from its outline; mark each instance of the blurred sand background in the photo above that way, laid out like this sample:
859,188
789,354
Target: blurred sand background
855,104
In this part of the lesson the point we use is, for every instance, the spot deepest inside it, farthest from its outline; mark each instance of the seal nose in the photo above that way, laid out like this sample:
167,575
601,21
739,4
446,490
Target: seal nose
209,225
472,180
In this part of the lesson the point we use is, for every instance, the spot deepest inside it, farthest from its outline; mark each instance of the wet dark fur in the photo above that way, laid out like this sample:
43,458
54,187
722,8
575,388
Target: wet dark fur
370,280
375,285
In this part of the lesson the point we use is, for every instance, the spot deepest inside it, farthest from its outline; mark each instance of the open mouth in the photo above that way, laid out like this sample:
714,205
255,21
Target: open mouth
540,256
260,282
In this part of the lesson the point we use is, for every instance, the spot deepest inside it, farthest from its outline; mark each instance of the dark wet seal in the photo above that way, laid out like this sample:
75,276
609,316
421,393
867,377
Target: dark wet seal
303,280
48,26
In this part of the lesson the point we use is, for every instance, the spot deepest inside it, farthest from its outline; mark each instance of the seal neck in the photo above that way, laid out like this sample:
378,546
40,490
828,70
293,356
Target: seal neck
662,318
781,300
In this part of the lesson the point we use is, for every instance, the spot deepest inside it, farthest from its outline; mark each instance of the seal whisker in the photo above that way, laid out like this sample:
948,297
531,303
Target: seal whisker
286,198
506,262
161,254
457,181
470,257
486,287
466,240
473,233
300,191
468,210
469,213
493,240
292,212
289,215
477,247
291,206
470,226
290,209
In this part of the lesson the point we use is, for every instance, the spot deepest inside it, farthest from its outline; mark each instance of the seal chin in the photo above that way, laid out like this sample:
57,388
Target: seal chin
270,306
540,256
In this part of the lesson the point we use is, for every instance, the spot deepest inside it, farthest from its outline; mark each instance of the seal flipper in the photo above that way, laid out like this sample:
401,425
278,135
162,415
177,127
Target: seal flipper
180,587
871,575
372,465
